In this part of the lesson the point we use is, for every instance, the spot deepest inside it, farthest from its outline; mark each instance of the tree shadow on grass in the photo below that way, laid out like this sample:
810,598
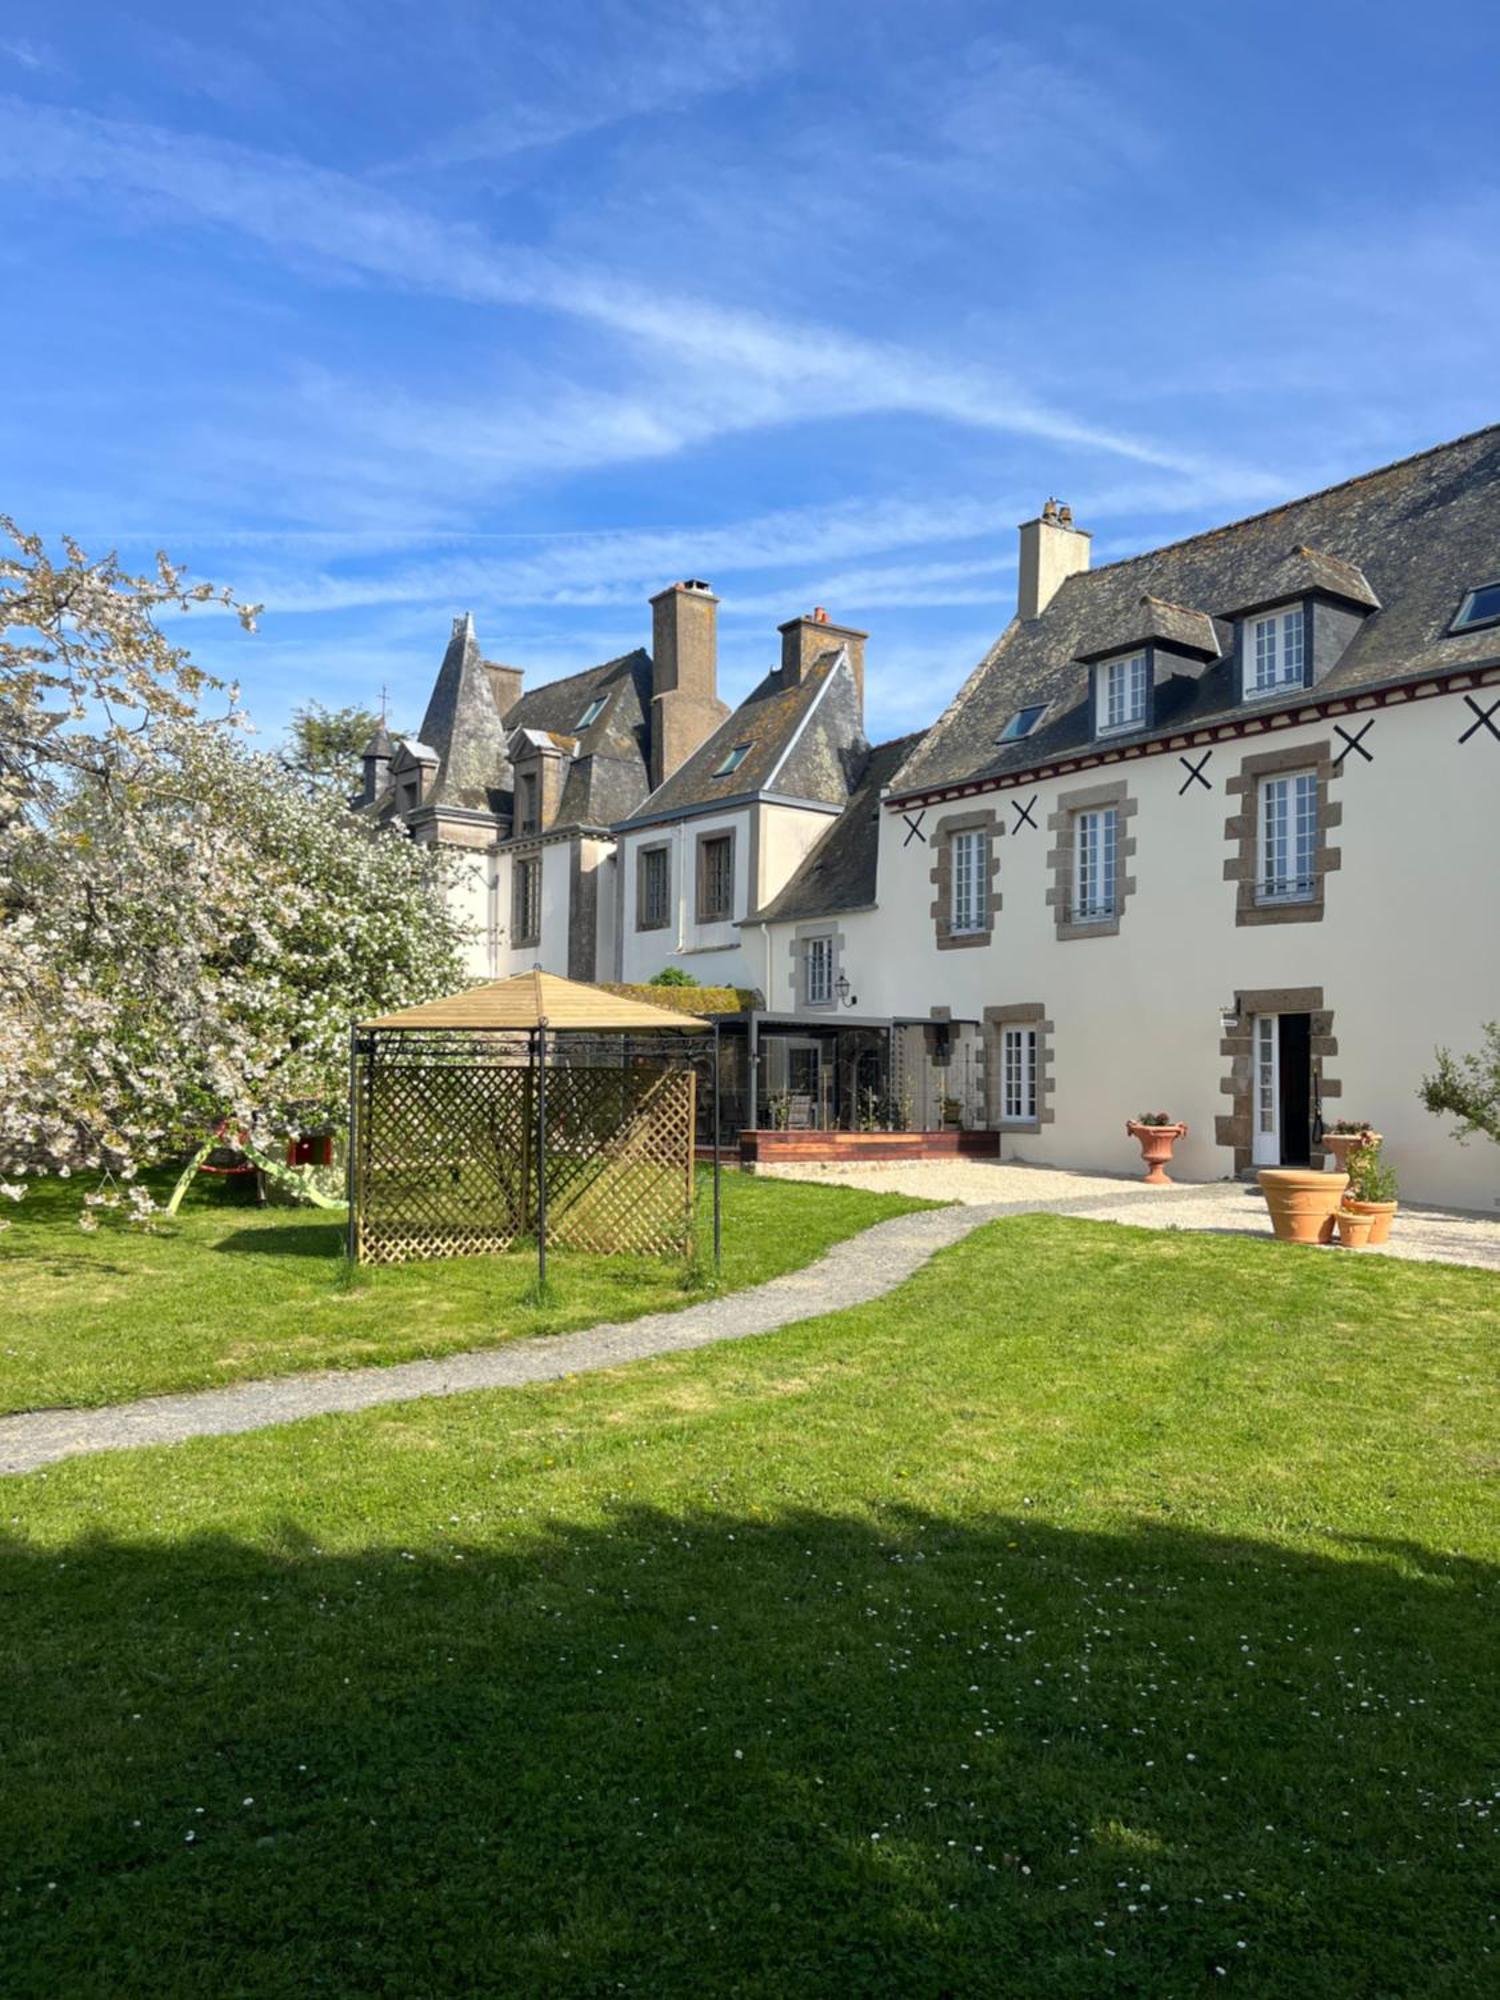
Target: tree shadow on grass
287,1239
716,1753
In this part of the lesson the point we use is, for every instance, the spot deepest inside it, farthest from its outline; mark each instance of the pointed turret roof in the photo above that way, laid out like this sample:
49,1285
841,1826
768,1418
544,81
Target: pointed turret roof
379,744
463,726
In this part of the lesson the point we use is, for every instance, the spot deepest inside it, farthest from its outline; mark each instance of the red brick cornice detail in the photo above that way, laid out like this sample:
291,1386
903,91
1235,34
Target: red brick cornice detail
1208,732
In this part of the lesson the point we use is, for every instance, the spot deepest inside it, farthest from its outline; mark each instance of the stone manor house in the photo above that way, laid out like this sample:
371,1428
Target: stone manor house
1213,830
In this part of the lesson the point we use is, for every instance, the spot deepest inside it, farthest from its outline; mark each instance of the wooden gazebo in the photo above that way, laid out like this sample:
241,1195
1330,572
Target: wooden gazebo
527,1107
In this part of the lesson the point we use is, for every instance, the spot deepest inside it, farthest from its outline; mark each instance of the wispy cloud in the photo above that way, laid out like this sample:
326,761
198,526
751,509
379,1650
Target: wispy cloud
27,54
829,552
658,57
753,369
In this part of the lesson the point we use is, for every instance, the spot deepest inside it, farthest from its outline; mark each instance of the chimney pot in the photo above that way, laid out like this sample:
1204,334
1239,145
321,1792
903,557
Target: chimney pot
804,639
1052,550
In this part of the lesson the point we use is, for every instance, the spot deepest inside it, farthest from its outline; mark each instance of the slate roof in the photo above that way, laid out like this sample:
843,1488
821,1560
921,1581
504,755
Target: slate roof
1410,539
610,771
1153,620
839,873
806,736
462,725
465,735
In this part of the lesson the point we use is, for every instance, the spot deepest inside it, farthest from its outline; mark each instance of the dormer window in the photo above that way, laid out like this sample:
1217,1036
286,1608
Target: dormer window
1120,694
731,761
1023,722
591,714
1480,607
1275,650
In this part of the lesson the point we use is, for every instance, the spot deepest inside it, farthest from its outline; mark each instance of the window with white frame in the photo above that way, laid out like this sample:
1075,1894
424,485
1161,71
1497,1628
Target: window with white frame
1095,846
970,884
1288,838
1275,650
1018,1076
817,971
1120,690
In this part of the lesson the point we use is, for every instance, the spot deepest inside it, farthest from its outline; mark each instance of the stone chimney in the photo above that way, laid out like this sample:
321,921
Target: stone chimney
685,705
803,639
505,685
1052,550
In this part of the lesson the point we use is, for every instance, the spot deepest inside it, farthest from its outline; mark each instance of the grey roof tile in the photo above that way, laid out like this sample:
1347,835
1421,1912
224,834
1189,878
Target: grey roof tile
767,723
1409,539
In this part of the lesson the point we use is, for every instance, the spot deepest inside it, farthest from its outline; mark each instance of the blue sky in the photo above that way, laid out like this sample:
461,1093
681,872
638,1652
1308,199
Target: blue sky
381,312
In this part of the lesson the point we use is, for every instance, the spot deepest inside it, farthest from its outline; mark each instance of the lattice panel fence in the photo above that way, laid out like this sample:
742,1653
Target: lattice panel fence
445,1157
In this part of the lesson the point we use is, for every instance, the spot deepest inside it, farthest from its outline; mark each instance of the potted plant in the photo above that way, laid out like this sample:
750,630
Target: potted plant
1354,1228
1343,1135
1372,1188
1158,1132
1302,1201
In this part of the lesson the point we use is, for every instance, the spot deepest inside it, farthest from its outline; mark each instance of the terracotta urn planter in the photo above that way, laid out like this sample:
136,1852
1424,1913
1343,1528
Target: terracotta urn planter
1354,1228
1380,1213
1156,1143
1302,1202
1342,1144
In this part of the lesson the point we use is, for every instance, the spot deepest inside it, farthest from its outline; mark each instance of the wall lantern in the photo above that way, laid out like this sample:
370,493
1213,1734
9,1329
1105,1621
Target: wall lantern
1229,1017
841,988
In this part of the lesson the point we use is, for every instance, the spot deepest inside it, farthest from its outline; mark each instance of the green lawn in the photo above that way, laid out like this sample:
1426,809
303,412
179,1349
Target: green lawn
1105,1613
230,1291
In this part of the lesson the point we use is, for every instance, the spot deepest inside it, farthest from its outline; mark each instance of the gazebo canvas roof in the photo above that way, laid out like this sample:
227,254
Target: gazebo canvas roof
542,1000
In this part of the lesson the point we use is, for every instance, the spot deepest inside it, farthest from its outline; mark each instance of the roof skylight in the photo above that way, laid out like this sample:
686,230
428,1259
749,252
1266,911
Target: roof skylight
731,761
1023,722
1480,607
592,713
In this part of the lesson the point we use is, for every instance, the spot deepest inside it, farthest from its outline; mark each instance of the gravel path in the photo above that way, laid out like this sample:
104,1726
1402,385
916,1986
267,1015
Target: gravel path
861,1268
1422,1235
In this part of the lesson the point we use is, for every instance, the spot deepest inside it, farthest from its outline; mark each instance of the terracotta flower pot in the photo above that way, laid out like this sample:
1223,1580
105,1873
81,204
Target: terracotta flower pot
1342,1144
1381,1214
1354,1229
1157,1142
1302,1202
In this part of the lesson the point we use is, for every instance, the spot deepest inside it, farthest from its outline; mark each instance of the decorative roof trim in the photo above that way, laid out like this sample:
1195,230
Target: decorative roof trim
1419,687
711,808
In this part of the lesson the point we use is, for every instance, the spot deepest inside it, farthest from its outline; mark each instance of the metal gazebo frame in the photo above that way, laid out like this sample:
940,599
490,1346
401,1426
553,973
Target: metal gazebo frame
460,1087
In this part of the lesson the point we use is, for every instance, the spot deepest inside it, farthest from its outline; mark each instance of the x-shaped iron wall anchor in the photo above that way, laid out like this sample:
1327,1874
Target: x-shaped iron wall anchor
1354,742
1486,719
914,829
1023,813
1194,773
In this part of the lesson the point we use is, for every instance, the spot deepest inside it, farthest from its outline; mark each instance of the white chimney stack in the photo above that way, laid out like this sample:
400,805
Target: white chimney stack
1052,550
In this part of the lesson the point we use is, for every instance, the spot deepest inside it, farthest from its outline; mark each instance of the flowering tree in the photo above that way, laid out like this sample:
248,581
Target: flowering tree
182,956
324,745
86,673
